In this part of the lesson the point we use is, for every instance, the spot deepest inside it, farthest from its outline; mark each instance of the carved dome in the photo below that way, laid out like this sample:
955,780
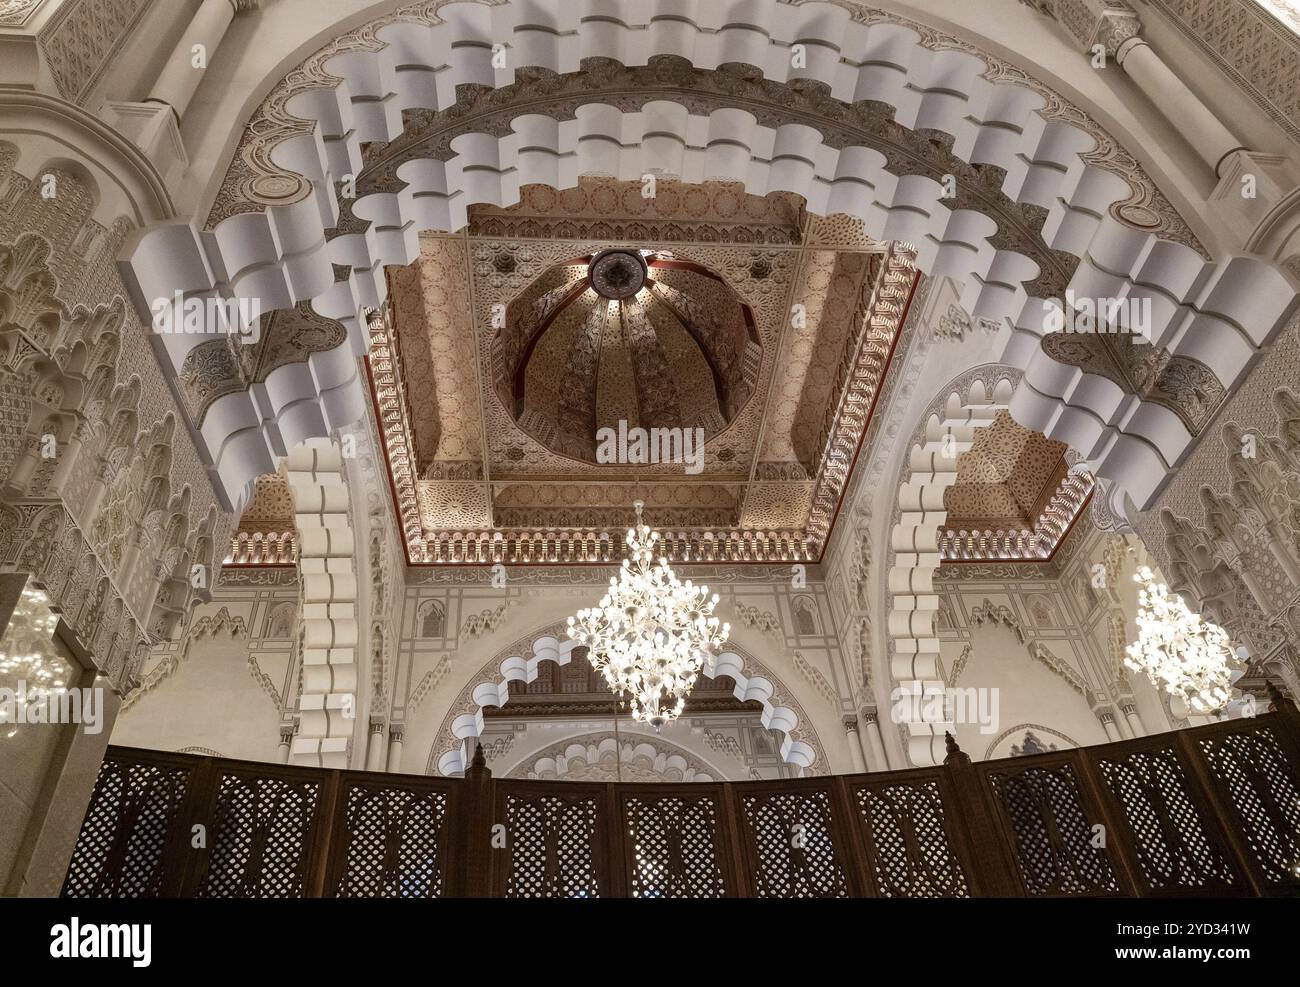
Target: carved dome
624,335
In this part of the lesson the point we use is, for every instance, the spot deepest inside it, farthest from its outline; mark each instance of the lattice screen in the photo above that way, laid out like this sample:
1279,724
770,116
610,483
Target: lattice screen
911,856
119,852
1253,771
790,833
1056,848
674,845
1172,845
260,827
553,843
395,841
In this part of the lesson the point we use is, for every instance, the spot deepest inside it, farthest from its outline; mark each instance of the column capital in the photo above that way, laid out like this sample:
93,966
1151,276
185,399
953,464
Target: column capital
244,5
868,714
1109,23
850,723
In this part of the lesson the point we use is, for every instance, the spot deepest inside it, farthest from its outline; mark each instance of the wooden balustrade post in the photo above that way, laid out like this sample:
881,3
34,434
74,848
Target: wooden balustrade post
993,862
475,832
1288,717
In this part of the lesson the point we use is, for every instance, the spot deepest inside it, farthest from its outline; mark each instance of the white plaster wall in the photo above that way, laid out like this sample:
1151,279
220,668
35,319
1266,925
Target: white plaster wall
1026,691
214,699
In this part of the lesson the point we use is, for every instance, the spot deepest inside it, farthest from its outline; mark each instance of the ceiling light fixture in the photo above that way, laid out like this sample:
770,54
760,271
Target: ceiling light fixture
651,633
1188,657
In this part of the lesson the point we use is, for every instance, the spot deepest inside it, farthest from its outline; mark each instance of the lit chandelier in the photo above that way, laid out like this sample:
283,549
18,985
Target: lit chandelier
1186,656
651,633
28,657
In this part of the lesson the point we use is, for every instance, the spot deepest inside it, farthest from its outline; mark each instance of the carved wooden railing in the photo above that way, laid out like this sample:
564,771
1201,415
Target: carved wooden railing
1212,811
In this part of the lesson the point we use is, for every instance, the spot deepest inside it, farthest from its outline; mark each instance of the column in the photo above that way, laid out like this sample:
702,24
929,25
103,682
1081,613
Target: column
375,748
1107,719
1113,27
1129,709
286,742
394,748
153,125
44,846
1208,136
872,743
179,79
855,746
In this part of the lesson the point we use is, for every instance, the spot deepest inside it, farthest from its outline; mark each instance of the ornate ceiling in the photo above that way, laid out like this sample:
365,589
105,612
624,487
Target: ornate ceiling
500,357
506,349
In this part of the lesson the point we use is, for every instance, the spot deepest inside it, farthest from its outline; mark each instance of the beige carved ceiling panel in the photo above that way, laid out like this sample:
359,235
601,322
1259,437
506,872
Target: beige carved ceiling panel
266,534
1006,479
508,348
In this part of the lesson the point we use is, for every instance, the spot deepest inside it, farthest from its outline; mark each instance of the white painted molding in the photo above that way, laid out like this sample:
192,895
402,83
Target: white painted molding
327,703
1219,312
517,668
913,603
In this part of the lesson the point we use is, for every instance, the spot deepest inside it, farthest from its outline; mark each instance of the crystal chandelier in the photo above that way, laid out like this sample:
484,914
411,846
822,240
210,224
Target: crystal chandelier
28,656
650,634
1186,656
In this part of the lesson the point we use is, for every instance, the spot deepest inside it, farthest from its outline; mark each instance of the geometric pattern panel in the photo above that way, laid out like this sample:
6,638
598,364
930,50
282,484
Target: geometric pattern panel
119,851
1175,849
675,846
1262,785
909,849
1055,846
553,842
259,829
395,843
790,837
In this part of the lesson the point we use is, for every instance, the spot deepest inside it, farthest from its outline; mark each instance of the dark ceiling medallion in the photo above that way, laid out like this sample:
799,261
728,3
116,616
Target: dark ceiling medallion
618,274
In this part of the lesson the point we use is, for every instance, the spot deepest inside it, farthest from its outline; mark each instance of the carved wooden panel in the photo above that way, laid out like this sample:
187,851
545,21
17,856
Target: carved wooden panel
789,833
1177,848
676,844
262,824
1255,776
121,851
1058,835
911,843
396,836
555,841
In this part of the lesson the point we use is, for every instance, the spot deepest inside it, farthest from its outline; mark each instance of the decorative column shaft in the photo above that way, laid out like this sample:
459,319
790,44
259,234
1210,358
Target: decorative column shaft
180,78
855,746
1194,120
375,747
394,748
872,743
1112,27
1107,719
1129,709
